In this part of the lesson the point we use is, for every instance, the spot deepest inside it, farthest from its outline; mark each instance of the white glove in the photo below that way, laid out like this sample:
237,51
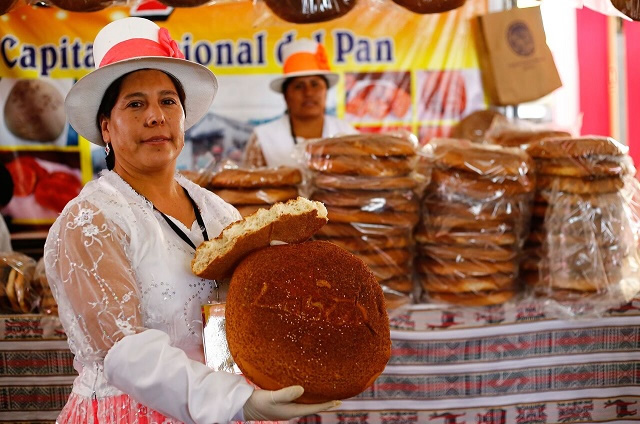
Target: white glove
147,368
277,405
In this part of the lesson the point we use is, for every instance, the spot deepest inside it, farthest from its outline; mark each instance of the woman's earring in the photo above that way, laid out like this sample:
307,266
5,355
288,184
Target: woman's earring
107,148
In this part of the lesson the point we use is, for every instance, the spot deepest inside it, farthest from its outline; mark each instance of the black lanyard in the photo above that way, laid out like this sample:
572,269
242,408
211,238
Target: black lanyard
293,134
177,229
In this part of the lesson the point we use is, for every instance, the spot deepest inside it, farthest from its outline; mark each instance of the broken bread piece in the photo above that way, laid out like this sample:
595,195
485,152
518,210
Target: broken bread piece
292,222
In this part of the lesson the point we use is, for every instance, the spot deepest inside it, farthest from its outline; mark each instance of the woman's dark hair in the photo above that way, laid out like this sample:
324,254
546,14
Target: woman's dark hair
288,82
109,101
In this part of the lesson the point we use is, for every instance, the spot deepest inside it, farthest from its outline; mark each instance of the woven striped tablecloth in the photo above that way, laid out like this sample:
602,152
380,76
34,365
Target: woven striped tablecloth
507,364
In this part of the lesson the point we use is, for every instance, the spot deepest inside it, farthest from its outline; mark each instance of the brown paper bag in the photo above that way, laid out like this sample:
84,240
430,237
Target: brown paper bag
516,62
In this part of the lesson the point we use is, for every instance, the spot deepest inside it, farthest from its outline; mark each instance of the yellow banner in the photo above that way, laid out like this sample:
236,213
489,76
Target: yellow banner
399,70
243,38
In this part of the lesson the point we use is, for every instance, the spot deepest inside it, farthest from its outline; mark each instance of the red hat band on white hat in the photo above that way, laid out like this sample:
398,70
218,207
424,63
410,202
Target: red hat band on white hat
137,47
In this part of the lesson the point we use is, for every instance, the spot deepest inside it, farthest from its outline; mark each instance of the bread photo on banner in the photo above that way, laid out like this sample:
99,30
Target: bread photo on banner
298,312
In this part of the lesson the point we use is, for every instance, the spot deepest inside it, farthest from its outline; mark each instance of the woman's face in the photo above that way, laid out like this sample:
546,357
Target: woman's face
306,97
146,127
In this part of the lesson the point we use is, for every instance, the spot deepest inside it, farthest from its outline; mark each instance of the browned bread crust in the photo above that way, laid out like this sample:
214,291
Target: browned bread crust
349,182
631,8
291,222
522,137
310,314
475,125
481,160
430,6
82,5
309,11
362,145
368,166
399,200
184,3
567,147
473,299
257,177
265,196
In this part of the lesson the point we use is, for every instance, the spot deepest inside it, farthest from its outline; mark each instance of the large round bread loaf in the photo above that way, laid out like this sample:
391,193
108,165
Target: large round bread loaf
311,314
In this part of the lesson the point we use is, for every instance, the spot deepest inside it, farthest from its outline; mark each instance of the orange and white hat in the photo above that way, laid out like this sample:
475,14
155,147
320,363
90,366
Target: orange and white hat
301,58
133,44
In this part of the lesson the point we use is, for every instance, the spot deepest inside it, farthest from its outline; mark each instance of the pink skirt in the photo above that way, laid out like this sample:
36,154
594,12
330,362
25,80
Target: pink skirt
109,410
115,410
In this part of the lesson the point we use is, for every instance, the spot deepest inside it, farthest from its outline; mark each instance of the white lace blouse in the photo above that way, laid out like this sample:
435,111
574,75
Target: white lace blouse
116,267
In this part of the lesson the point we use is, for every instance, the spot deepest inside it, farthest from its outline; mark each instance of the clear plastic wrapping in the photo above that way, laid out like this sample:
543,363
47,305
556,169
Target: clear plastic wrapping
474,126
630,8
16,293
371,202
309,11
251,189
95,5
7,5
430,6
80,5
41,288
519,134
584,237
475,220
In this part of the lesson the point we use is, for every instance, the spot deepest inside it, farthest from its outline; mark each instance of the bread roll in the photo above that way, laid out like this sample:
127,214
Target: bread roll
34,111
631,8
258,177
184,3
309,11
430,6
291,222
310,314
7,5
475,125
82,5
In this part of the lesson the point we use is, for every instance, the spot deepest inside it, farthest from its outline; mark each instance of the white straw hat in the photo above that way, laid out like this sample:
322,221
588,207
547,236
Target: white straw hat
128,45
301,58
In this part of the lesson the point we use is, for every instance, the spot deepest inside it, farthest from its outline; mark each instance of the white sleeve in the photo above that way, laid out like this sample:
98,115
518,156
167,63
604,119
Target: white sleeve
162,377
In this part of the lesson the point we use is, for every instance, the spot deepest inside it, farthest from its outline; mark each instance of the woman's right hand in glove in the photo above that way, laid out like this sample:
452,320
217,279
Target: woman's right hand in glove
278,405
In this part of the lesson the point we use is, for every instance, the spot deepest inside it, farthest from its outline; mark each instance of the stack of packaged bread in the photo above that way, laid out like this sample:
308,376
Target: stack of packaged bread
251,189
475,218
367,186
583,235
18,295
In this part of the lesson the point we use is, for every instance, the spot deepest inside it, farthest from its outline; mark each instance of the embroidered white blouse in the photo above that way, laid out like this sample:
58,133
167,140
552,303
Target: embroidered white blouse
116,267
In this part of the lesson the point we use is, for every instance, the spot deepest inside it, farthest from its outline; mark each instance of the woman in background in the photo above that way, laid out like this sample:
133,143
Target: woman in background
304,85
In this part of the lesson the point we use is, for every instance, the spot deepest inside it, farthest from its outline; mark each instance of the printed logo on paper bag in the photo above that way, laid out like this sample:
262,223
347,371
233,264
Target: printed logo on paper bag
520,38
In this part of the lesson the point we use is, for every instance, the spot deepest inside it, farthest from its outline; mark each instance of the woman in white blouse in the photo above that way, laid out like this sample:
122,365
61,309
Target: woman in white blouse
118,257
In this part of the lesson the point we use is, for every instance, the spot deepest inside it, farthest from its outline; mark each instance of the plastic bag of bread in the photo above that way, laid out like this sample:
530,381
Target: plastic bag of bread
587,227
16,273
370,189
430,6
474,126
309,11
252,189
475,219
47,304
79,5
519,133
